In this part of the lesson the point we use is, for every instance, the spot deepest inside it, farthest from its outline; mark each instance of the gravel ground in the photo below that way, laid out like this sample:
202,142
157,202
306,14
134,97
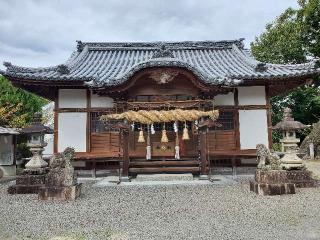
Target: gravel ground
227,211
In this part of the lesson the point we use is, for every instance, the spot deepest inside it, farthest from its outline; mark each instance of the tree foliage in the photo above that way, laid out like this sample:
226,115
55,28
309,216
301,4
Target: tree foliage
294,37
16,105
9,116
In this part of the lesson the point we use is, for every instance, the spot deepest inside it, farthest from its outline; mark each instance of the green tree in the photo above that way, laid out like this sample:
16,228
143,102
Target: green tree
16,105
293,38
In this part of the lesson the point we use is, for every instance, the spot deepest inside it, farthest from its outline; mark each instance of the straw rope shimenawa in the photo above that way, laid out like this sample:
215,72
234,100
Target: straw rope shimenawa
153,116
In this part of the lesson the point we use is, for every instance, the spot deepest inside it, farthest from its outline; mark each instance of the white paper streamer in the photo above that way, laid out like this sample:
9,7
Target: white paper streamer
152,129
177,152
175,127
148,156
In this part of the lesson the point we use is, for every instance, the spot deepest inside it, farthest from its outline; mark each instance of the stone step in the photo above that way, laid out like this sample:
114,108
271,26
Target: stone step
164,177
164,163
164,170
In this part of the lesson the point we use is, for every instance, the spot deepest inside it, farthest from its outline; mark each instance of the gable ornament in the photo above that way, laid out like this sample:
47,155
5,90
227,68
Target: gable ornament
163,76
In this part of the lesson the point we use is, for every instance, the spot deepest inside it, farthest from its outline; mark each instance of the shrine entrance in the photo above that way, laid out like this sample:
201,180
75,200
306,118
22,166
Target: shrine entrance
162,155
163,107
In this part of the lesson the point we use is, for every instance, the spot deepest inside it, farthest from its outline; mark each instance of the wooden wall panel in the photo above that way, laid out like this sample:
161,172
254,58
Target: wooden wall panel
222,140
105,142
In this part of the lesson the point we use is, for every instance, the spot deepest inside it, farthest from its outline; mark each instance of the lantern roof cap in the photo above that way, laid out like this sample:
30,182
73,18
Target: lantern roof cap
288,122
36,126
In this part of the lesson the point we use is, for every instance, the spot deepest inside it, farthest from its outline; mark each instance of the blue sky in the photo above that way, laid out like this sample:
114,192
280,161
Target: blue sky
43,33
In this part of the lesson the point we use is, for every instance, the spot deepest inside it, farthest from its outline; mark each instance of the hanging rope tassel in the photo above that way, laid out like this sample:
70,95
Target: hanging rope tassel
164,137
185,135
141,137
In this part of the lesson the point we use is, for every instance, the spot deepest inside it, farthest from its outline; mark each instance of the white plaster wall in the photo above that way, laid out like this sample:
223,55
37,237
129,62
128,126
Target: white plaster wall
253,128
6,150
224,99
72,131
255,95
48,150
98,101
72,98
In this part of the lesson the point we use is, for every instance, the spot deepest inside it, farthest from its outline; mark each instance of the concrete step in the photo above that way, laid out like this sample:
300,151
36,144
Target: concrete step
163,177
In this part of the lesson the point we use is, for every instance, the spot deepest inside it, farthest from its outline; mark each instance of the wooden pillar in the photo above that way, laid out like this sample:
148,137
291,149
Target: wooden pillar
88,124
236,119
55,122
234,167
269,117
204,169
14,142
125,156
94,169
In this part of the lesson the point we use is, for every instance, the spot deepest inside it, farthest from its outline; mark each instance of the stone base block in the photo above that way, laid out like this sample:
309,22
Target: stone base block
272,189
203,177
24,189
301,178
27,184
30,179
60,193
125,179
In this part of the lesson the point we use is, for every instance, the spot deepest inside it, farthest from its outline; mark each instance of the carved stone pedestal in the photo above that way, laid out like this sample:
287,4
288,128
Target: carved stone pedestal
29,183
272,182
61,181
272,188
301,178
60,193
277,182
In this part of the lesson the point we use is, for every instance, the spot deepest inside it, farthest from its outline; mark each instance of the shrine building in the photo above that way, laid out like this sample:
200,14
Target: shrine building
159,88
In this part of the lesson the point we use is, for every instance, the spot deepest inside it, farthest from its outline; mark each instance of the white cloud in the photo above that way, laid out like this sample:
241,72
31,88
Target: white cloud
42,33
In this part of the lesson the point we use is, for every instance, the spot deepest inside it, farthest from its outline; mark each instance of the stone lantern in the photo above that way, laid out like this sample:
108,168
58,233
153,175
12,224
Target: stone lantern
35,133
289,142
33,177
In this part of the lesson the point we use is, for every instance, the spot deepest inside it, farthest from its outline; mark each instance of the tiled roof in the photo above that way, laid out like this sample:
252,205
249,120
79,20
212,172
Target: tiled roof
108,64
8,131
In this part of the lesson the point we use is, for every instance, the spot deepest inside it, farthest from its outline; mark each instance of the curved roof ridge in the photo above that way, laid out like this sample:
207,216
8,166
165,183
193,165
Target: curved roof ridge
76,57
308,64
71,62
16,68
245,57
157,44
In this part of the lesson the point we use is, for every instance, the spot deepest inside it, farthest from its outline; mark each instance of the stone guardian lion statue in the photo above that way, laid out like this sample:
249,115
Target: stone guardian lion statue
266,159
